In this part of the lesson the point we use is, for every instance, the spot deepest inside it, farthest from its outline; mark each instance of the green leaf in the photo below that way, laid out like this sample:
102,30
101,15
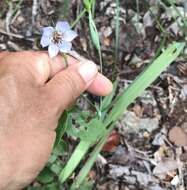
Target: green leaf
60,148
62,126
71,130
108,99
93,32
86,168
45,176
56,168
94,130
72,163
87,4
86,185
53,186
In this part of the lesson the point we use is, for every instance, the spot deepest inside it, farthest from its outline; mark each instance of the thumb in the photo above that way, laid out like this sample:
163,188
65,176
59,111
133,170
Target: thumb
68,84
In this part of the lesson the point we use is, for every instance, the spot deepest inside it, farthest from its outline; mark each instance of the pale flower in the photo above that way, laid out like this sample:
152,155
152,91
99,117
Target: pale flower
58,39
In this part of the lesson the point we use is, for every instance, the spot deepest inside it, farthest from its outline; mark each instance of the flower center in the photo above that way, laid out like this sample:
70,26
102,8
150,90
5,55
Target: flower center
57,37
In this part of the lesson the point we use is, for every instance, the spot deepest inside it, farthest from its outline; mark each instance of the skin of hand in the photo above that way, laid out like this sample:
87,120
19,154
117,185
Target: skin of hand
35,90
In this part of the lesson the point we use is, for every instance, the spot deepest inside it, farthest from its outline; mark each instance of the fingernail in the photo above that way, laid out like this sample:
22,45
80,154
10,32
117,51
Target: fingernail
88,71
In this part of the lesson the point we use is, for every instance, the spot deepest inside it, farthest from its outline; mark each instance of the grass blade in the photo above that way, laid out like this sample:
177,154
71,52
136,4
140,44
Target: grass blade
85,170
76,157
144,80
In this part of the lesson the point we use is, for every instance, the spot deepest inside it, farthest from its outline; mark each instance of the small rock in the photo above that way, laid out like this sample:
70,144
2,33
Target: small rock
144,179
178,136
118,171
132,123
130,179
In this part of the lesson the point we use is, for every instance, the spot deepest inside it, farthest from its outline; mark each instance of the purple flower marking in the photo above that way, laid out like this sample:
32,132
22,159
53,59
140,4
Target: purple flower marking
58,39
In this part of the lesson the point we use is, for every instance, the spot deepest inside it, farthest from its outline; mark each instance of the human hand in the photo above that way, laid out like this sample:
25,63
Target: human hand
35,90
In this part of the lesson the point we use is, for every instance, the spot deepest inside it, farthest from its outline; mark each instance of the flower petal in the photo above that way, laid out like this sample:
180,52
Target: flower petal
45,41
69,35
62,26
47,31
53,50
65,47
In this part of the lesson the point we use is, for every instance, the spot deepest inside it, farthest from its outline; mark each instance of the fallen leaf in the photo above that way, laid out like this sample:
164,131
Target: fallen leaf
178,136
112,142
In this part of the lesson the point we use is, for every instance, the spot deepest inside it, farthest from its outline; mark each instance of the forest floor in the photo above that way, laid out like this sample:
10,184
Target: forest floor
148,148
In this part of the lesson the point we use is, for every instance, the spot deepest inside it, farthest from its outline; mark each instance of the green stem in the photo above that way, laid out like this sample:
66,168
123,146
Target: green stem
78,18
101,70
65,59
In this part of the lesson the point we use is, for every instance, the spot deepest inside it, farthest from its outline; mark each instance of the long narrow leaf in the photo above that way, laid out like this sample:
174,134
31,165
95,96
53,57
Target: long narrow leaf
85,170
144,80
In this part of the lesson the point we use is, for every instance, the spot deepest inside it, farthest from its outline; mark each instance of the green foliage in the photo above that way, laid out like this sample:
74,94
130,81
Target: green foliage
89,4
96,131
52,186
62,126
46,176
92,133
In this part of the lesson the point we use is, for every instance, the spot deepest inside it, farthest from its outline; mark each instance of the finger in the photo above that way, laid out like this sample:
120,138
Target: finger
38,64
101,86
68,84
42,68
45,67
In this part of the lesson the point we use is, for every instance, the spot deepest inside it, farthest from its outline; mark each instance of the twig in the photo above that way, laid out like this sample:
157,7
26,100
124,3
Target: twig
13,46
18,36
16,11
180,168
16,15
76,56
8,17
34,11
